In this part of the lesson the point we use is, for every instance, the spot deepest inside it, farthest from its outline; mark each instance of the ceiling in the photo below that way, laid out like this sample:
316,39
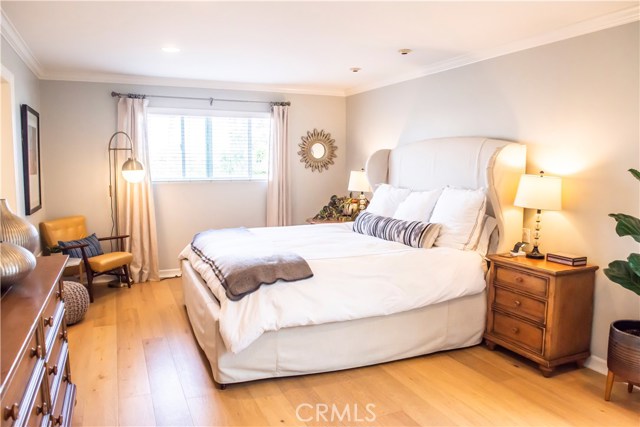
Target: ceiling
302,46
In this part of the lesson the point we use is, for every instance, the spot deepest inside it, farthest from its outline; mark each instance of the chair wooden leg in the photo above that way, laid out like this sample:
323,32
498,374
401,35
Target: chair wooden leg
126,275
609,386
89,274
630,387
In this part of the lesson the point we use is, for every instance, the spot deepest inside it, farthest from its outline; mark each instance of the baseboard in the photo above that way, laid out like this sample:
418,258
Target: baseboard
597,364
172,272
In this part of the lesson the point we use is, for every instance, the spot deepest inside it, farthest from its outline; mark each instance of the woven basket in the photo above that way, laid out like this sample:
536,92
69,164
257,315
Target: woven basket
76,299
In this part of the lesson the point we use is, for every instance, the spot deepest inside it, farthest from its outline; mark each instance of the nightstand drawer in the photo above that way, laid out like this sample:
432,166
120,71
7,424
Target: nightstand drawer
521,305
517,279
519,332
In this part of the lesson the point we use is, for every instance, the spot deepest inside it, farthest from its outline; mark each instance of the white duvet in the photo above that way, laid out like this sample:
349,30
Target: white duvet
355,276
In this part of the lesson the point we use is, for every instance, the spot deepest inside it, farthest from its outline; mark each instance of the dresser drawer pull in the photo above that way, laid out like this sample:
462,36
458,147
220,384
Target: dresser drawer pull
42,409
67,378
57,421
519,279
60,295
517,303
515,330
48,321
11,412
53,370
36,352
63,335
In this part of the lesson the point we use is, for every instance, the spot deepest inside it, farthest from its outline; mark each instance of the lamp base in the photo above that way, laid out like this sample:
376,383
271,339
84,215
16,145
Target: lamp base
535,253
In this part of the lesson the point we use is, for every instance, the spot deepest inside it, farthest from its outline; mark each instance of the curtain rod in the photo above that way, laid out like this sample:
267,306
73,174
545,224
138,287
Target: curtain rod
211,100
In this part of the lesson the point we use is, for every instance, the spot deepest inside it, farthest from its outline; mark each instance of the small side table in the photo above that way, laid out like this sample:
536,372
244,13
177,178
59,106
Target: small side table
73,265
540,310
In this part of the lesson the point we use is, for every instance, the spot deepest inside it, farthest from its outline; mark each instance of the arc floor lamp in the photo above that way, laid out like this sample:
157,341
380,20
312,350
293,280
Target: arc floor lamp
132,171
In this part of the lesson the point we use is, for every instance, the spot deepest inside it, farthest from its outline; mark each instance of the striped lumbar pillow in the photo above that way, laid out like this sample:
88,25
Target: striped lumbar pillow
416,234
93,248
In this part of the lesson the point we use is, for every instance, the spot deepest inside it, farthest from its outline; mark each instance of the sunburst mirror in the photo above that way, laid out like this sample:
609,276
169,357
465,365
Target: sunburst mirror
317,150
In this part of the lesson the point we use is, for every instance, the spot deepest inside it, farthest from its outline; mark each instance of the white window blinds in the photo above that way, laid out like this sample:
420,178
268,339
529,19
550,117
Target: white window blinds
210,145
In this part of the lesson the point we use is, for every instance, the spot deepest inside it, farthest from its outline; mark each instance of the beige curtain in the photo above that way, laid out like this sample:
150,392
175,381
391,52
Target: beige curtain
278,207
136,216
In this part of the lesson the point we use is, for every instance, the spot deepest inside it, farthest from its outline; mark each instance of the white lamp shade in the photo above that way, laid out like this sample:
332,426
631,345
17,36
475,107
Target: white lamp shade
358,181
132,171
539,192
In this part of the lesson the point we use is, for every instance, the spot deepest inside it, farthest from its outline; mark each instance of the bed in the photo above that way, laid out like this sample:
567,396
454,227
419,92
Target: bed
360,328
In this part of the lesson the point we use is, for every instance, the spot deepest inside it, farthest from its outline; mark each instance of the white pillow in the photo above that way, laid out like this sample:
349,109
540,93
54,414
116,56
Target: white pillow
460,212
484,240
418,206
386,199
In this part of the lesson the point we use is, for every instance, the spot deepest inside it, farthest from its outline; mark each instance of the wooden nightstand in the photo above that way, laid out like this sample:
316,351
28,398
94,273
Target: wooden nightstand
540,310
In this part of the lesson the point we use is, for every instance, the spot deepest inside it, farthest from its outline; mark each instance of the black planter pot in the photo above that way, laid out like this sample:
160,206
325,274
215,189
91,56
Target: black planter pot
623,356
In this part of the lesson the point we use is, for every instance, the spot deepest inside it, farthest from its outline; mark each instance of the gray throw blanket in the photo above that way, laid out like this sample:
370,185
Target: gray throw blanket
243,262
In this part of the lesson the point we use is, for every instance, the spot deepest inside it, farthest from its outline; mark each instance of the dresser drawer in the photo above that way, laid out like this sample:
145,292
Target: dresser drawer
41,406
520,305
64,399
15,393
525,282
57,356
519,332
51,314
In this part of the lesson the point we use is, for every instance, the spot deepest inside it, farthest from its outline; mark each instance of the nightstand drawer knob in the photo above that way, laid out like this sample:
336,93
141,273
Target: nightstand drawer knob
515,330
517,303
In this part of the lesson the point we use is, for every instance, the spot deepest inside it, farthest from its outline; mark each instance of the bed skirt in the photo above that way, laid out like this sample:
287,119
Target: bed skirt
331,346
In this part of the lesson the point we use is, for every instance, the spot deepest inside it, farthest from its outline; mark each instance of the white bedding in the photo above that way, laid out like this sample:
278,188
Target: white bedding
355,276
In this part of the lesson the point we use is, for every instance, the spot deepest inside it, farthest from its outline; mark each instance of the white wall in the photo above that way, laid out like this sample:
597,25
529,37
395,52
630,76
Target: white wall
26,91
79,118
574,103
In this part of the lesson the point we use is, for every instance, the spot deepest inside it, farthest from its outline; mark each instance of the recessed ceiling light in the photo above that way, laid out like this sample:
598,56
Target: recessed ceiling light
171,49
355,69
404,51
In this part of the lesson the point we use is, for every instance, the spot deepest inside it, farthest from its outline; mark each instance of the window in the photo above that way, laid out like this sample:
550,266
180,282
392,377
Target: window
208,145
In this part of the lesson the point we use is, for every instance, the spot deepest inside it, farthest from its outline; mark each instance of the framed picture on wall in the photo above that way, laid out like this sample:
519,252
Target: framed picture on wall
31,159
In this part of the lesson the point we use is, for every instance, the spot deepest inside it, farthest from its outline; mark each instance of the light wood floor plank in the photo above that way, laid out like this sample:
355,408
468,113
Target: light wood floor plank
135,362
101,406
137,411
169,404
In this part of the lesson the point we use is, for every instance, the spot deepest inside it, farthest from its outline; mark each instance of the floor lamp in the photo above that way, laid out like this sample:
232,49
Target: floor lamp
132,171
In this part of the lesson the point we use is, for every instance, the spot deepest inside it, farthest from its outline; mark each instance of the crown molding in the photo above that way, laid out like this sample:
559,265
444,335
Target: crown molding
192,83
15,40
611,20
621,17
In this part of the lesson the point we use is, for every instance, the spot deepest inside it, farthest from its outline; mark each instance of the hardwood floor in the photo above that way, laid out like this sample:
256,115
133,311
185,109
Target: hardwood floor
136,362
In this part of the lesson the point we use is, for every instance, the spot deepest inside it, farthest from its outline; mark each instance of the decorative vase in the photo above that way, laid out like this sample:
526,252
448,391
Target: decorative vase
623,356
17,263
17,230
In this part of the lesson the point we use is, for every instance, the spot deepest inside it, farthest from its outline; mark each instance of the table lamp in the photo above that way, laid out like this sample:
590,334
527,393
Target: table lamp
358,182
539,192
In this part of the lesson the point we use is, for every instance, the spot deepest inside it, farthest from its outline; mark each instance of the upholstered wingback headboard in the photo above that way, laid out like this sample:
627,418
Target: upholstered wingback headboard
466,162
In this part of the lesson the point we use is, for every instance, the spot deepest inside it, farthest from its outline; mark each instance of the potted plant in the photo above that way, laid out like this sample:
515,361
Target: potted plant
623,356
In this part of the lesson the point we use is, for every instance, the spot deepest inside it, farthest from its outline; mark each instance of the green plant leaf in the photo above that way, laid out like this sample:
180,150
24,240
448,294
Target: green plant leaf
635,173
634,263
627,226
621,273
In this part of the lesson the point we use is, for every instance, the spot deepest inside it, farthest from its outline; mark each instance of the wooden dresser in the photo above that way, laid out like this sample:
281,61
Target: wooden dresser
36,379
540,310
